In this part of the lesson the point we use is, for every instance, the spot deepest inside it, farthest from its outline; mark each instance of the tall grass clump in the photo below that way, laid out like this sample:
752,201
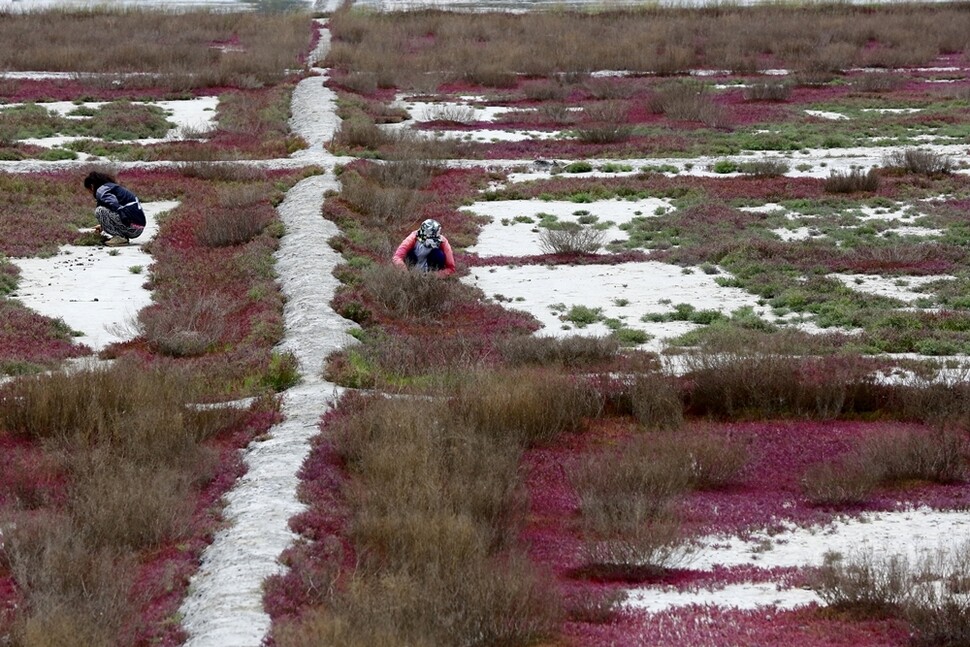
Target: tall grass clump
412,294
129,448
382,201
812,39
192,325
568,352
628,497
919,161
604,123
865,584
656,402
527,406
929,593
767,167
769,91
177,50
687,100
852,181
77,593
241,214
936,456
745,373
626,500
434,506
571,238
877,82
359,133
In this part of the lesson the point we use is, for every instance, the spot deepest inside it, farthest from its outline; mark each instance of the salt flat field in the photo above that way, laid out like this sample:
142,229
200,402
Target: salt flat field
376,5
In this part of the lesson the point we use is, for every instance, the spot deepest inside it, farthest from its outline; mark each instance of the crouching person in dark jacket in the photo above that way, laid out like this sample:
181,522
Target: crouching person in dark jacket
119,213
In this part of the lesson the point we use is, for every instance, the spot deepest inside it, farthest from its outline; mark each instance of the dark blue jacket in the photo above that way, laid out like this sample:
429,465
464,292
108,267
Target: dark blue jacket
118,198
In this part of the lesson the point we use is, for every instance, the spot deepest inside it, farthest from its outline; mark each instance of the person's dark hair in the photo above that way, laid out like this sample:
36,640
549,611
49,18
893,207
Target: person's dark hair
94,180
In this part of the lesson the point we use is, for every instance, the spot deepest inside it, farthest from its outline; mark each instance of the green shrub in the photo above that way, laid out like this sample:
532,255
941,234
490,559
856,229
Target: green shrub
578,167
725,166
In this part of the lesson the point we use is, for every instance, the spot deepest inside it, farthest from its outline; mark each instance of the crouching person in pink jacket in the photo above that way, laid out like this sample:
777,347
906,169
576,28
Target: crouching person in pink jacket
426,250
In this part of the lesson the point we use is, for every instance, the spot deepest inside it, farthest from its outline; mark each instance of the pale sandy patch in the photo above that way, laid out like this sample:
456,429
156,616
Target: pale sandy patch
504,236
893,287
625,291
926,532
93,289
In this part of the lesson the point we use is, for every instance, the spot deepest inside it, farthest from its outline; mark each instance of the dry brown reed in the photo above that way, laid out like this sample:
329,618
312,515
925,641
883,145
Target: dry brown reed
428,491
937,607
179,50
221,172
655,402
241,214
852,181
941,404
544,90
877,82
496,603
930,593
385,205
863,584
526,407
626,501
392,362
190,327
920,161
436,503
420,296
129,447
740,373
408,173
767,167
572,351
359,132
768,91
841,484
125,504
485,47
571,238
938,456
686,100
78,593
596,607
604,123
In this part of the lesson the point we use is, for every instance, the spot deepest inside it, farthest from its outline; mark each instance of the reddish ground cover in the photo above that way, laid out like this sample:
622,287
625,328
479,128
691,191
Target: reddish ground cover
28,339
767,495
695,626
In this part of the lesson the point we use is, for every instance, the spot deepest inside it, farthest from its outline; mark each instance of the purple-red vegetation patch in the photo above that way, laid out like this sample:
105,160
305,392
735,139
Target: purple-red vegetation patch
767,495
28,338
702,626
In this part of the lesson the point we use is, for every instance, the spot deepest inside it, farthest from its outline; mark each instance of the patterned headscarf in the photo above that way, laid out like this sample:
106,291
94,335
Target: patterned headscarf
429,233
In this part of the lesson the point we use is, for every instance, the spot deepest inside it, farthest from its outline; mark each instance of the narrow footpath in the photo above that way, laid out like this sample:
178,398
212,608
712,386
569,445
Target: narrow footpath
224,607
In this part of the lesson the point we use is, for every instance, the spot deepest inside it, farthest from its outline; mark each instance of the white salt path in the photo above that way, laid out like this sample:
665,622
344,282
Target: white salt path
224,607
92,289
